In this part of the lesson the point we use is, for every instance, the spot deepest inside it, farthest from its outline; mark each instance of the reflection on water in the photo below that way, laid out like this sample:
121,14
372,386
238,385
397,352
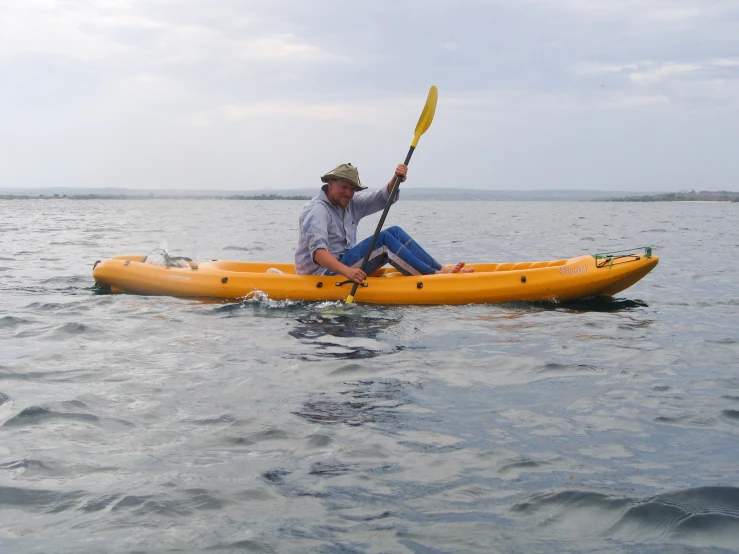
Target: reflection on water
318,325
358,403
330,330
598,304
351,335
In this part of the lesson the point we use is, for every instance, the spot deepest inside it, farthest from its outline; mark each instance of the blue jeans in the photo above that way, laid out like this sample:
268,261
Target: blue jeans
396,247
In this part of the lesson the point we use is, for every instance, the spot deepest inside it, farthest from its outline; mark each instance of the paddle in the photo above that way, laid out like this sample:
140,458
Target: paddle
424,122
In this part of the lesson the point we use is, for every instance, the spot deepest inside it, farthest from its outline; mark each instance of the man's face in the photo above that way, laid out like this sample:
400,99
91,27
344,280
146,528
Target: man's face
340,193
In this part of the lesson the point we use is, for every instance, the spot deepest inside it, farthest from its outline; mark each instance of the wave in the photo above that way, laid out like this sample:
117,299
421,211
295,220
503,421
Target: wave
701,516
36,415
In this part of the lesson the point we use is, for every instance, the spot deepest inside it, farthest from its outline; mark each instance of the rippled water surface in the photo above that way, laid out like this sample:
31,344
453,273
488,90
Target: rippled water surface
151,424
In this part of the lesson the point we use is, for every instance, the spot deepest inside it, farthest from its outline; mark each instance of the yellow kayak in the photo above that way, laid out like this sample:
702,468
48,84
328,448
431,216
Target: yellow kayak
548,281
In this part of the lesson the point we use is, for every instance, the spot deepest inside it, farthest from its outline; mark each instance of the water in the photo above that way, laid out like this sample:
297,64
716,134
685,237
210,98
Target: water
141,424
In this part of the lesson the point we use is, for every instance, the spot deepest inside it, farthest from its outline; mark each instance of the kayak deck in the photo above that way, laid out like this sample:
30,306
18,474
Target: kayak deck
554,280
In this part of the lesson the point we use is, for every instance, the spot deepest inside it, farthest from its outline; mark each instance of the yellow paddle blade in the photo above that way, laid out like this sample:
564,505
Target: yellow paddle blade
427,115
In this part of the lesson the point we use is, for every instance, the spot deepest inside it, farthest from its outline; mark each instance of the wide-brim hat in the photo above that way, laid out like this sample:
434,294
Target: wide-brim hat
344,172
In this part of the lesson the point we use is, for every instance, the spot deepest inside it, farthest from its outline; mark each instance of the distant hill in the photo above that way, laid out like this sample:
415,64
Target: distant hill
411,193
408,193
692,196
132,194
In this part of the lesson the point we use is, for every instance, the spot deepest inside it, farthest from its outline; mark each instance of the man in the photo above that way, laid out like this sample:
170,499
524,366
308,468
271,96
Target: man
327,244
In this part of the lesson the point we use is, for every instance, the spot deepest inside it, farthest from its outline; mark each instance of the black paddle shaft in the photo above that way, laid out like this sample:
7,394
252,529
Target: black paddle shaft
393,194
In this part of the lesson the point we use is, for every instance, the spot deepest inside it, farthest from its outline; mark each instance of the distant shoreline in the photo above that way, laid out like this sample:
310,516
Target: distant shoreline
148,197
408,194
692,196
306,198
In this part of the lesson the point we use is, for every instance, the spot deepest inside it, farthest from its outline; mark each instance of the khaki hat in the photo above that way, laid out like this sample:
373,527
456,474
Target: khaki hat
344,172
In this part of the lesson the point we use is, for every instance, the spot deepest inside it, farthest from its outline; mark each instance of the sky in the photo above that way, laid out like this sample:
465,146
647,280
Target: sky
618,95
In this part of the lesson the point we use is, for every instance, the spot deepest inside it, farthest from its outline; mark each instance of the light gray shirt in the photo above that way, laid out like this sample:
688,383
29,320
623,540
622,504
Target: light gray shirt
334,229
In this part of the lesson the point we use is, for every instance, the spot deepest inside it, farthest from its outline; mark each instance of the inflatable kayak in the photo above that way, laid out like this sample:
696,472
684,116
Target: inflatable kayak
554,281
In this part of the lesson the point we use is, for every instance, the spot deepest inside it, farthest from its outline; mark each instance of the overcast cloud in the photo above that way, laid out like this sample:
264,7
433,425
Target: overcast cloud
638,95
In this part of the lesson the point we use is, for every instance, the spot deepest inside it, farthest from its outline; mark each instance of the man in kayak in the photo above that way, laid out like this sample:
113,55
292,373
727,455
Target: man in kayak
327,244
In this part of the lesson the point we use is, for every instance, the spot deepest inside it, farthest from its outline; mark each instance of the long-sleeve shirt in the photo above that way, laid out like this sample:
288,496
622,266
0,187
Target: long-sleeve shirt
334,229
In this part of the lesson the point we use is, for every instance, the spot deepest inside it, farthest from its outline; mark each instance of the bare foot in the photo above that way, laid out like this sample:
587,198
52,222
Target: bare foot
456,268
